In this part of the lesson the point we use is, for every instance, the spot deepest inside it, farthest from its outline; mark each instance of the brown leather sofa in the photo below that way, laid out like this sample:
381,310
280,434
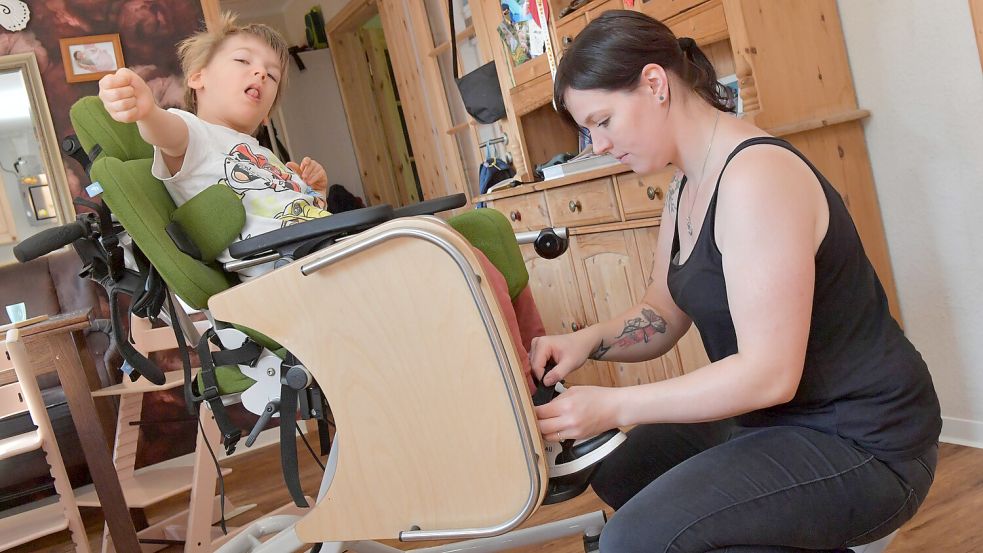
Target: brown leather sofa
49,285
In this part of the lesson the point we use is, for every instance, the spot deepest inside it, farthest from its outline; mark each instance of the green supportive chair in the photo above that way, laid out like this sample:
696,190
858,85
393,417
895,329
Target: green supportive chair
402,279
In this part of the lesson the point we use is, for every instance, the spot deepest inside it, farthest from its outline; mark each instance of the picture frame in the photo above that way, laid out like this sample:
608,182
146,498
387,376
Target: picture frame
89,58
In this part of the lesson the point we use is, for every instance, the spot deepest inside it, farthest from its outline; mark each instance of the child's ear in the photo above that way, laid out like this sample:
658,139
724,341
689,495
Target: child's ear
195,81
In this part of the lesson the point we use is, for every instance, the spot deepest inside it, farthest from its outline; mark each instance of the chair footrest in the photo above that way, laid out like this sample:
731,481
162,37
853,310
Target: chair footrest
30,525
22,443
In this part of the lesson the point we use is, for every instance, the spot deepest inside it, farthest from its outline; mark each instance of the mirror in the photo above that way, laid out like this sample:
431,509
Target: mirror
35,186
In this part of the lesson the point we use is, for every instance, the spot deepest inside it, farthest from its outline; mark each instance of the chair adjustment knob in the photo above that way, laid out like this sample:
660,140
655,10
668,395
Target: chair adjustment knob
550,245
297,377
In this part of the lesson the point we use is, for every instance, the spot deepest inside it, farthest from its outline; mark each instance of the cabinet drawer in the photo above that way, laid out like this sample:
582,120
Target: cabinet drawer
705,24
526,212
592,13
568,30
643,196
586,203
664,9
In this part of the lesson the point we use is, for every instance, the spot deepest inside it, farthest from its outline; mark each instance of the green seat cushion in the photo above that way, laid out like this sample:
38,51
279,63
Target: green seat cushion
489,231
144,208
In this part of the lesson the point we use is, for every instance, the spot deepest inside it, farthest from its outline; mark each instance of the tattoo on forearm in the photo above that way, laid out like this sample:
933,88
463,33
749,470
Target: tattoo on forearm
641,329
599,352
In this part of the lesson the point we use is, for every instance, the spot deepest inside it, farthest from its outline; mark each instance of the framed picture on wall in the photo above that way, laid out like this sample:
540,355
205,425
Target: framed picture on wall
88,58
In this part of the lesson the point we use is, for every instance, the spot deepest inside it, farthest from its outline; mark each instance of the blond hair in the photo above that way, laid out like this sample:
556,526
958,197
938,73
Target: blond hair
196,51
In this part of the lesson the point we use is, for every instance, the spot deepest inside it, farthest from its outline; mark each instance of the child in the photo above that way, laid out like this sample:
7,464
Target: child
234,75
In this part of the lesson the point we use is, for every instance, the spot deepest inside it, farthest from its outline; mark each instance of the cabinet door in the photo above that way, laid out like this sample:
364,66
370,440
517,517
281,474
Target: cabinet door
611,281
554,286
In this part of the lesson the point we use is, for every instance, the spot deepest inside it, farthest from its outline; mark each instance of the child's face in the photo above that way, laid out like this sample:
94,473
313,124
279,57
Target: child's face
239,84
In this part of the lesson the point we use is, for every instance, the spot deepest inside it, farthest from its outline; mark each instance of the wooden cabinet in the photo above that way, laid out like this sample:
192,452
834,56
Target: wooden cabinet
605,272
643,195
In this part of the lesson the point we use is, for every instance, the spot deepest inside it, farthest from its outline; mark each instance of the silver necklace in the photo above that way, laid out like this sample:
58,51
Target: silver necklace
699,183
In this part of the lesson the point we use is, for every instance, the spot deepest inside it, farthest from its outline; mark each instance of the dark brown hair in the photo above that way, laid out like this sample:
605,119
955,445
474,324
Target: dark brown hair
611,51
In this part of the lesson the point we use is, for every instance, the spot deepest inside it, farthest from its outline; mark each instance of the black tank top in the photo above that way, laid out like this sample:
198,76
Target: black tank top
862,380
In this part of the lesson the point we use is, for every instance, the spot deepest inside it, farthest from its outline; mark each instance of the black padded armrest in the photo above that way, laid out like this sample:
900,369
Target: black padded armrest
322,227
429,207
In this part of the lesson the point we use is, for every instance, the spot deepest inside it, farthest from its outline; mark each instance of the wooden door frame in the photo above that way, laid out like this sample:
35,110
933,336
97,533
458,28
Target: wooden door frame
353,71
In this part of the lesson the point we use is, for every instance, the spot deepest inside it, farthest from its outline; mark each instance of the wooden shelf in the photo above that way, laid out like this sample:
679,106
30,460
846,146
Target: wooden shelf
30,525
820,122
148,486
172,379
22,443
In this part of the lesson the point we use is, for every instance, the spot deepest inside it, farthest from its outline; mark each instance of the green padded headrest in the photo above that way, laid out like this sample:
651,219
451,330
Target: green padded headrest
93,125
489,231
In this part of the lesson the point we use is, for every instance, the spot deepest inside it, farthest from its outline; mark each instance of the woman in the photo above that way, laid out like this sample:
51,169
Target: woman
815,426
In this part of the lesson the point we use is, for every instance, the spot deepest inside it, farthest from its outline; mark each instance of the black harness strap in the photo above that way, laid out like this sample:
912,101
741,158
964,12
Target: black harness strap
209,392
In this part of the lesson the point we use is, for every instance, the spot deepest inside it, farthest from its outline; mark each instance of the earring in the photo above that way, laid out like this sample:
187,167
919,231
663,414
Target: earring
662,98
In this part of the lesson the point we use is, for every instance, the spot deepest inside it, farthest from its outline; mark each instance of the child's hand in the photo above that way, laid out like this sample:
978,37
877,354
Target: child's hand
312,173
126,96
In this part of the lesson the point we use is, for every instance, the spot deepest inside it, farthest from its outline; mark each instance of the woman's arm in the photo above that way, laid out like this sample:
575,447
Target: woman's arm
770,219
644,331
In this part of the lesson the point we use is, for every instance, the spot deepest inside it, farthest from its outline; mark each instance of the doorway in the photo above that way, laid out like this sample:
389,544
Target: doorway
373,106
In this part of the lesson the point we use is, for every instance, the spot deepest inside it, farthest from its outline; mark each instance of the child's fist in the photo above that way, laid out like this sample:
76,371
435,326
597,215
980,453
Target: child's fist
126,96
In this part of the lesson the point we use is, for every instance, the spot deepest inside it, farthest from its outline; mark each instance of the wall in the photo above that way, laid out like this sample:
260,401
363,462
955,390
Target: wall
148,32
917,69
311,117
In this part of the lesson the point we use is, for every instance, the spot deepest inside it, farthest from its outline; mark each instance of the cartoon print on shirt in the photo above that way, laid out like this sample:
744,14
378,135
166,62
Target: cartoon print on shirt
246,171
299,211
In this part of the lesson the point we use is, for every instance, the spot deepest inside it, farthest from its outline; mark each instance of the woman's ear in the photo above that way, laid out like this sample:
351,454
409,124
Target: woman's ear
655,79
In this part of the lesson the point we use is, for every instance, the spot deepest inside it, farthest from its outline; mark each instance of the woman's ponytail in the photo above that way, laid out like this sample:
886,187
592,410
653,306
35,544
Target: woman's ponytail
700,74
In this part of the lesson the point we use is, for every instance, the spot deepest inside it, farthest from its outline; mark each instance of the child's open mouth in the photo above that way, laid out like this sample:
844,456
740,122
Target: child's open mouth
253,92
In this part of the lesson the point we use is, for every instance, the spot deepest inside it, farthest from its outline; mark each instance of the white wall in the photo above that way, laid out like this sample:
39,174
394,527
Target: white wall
917,69
312,120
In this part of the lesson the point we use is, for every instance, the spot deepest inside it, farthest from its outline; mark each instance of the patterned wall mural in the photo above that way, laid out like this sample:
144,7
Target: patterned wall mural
149,31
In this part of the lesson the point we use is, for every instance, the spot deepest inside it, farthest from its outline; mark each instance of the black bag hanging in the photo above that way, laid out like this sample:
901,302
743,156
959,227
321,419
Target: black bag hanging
480,90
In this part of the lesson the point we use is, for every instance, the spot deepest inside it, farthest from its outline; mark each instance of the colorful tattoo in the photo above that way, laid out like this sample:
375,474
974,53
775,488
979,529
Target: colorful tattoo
641,329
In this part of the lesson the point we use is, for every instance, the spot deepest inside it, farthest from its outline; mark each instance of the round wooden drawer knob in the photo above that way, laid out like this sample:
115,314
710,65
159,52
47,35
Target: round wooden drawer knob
654,193
574,206
515,215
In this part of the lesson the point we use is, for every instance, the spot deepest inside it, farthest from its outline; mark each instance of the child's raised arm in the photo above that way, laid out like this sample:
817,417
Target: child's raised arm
128,99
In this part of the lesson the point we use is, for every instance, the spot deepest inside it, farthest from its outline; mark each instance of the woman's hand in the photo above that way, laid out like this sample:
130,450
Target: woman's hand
312,173
579,412
568,351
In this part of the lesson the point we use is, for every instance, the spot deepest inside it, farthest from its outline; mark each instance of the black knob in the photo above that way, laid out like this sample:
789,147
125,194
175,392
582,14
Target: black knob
549,245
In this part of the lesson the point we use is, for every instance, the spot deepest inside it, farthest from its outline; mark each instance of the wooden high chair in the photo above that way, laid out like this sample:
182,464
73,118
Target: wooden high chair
64,514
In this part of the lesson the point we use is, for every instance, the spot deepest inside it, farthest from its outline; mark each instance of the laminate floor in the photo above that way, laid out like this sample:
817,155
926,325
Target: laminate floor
948,522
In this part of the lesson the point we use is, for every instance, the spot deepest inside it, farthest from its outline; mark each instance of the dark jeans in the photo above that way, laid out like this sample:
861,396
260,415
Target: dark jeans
716,487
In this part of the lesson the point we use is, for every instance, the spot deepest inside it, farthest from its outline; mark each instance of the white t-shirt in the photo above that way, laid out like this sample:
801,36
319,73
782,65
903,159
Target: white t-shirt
273,196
